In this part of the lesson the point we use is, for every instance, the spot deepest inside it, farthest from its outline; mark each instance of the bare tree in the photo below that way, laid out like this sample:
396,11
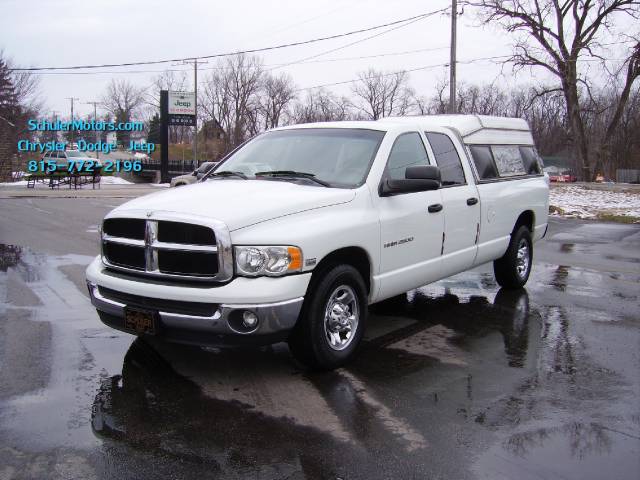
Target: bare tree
436,104
380,94
556,34
231,96
277,95
123,100
320,105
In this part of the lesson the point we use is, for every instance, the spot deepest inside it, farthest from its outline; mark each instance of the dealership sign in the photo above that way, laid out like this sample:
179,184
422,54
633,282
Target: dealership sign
182,108
182,103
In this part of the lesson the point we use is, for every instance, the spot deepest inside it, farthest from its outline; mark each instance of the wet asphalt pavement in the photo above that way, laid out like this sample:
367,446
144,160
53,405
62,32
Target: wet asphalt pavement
457,380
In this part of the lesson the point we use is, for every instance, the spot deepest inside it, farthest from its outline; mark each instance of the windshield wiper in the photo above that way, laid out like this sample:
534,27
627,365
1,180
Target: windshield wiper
228,173
293,174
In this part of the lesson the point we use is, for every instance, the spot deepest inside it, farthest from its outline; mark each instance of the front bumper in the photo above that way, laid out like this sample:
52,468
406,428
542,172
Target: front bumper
276,302
275,320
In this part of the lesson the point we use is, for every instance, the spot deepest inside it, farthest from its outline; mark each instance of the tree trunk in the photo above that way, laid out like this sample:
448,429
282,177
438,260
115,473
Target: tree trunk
570,89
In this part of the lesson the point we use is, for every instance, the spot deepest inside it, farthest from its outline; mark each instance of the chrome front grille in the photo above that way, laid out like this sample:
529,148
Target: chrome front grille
168,246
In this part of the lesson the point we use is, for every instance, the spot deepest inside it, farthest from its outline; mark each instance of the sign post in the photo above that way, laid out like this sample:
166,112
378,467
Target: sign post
164,136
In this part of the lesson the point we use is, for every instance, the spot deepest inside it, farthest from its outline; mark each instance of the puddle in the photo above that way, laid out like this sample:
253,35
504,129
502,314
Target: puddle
494,378
54,322
573,450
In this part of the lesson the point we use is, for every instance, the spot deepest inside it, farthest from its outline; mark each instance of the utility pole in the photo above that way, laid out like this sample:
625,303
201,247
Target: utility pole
195,90
72,100
452,61
54,114
195,62
95,119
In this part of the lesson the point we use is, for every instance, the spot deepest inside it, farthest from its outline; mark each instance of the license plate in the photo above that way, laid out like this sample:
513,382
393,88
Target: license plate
140,321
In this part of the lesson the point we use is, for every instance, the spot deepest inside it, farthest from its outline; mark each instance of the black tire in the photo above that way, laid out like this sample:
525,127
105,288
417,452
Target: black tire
509,270
309,341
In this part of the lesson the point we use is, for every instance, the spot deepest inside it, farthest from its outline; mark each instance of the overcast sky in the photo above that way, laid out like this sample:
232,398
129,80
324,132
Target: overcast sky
80,32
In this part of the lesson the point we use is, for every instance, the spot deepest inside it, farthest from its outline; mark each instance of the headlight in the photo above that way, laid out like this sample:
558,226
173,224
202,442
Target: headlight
272,261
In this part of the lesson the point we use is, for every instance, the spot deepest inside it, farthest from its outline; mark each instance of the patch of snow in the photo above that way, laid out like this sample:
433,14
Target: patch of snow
580,202
160,185
103,180
114,181
20,182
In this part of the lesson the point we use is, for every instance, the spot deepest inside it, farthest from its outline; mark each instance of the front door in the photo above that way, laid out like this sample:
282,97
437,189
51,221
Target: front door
411,235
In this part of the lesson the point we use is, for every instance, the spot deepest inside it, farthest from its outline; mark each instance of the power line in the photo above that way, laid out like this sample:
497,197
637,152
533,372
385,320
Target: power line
328,60
303,60
389,74
217,55
406,52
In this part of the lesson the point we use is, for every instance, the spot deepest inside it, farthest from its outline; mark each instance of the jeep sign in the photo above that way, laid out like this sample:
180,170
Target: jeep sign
182,103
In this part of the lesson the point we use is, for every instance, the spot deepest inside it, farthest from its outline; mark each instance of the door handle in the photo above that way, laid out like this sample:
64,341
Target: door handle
436,207
472,201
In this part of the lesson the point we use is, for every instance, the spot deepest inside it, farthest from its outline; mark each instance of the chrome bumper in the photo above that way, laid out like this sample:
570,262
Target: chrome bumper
275,320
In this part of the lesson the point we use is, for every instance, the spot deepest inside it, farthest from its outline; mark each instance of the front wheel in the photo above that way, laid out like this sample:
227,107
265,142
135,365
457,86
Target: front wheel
331,324
513,268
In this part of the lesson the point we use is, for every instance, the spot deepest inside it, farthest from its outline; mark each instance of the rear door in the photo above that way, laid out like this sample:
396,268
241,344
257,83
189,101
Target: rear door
460,199
411,235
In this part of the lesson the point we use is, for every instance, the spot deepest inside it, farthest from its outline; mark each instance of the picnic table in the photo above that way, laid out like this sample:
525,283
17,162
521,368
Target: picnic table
62,176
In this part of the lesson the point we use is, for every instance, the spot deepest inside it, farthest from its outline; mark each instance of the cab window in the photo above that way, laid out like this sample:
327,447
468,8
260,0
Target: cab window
407,151
447,159
531,160
483,159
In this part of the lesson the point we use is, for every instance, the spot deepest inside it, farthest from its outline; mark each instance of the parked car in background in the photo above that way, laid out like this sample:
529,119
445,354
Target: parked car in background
193,177
566,177
560,175
65,158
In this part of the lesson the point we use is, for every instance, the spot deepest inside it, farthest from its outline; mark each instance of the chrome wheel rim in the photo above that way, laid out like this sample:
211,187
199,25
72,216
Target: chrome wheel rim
522,260
341,317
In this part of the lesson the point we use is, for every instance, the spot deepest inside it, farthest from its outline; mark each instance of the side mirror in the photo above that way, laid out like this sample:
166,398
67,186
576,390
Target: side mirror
419,178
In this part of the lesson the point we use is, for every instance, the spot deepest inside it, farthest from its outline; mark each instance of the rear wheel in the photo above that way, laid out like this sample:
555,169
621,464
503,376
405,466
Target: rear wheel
331,325
513,269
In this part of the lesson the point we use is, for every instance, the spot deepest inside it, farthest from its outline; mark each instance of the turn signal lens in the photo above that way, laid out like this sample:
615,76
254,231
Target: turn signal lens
295,255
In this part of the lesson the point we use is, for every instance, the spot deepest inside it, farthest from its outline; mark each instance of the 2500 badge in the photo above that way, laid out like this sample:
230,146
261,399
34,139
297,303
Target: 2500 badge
398,242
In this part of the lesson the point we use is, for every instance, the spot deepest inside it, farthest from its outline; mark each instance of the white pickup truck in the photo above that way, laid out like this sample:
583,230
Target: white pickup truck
294,234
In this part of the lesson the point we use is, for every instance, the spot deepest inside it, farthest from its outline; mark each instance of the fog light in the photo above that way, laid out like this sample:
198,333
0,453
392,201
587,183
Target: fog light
249,319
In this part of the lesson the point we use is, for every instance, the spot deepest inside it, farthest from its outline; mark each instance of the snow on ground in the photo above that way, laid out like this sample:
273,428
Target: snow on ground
18,183
114,181
110,180
579,202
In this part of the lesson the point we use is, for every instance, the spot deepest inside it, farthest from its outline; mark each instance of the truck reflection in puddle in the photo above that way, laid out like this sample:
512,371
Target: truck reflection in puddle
245,409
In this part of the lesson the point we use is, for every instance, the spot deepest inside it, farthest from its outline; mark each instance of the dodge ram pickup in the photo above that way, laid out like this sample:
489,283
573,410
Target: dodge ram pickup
295,233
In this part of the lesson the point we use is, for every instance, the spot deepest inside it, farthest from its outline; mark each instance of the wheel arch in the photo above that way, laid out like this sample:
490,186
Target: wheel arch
357,257
527,219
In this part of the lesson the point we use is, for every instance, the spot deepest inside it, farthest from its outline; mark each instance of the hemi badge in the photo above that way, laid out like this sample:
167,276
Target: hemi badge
309,262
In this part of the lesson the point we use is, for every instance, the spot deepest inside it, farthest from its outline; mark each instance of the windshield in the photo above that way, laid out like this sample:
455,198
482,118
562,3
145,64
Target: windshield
340,157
